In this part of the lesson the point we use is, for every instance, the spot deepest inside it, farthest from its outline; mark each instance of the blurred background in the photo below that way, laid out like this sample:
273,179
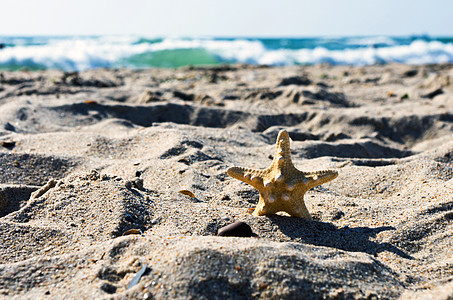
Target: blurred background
85,34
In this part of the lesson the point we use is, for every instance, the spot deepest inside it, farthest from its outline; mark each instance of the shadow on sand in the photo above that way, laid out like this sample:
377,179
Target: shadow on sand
356,239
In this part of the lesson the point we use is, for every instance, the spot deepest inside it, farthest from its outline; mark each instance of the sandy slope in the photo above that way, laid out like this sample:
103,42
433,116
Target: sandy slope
88,156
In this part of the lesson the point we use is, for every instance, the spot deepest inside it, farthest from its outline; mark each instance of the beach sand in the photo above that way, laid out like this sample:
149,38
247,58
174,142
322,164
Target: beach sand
85,157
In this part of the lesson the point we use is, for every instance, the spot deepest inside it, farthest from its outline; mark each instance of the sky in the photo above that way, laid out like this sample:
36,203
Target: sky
232,18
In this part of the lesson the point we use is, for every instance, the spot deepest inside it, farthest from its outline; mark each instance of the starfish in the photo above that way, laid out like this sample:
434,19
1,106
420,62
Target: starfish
281,185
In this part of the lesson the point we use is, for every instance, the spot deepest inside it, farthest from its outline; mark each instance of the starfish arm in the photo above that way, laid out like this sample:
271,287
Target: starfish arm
282,155
250,176
261,209
299,210
283,144
313,179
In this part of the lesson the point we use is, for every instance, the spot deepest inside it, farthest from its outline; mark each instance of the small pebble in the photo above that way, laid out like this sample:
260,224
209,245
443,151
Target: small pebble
8,144
238,229
128,185
108,288
138,184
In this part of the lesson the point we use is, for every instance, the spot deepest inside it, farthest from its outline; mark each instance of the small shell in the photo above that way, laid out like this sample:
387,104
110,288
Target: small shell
187,193
132,231
137,276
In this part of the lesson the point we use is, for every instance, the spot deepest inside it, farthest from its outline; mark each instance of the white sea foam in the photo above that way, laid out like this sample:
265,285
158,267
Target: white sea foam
371,41
70,54
86,53
94,52
418,52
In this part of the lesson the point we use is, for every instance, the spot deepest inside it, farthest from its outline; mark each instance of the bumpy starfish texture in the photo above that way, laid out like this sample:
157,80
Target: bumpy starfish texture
281,185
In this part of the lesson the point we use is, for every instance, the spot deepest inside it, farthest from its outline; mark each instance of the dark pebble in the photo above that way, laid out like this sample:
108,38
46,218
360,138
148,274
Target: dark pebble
238,229
108,288
138,184
8,144
128,185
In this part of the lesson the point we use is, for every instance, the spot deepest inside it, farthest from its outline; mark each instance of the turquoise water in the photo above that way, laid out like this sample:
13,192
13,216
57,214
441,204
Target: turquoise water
88,52
173,58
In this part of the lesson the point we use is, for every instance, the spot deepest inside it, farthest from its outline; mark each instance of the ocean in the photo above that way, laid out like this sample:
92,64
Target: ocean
78,53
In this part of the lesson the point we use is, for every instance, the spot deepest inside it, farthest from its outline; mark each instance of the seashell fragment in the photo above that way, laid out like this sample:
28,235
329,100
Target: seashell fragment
132,231
187,193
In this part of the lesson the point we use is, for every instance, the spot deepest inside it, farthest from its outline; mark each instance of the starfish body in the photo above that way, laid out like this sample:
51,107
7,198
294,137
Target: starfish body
281,185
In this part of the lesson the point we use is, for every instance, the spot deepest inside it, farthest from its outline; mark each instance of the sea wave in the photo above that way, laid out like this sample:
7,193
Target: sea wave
416,53
375,41
81,53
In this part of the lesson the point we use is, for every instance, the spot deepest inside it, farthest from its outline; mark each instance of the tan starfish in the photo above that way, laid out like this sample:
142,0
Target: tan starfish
281,185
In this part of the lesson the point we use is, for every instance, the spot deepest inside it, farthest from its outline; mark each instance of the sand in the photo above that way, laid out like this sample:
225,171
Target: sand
85,157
